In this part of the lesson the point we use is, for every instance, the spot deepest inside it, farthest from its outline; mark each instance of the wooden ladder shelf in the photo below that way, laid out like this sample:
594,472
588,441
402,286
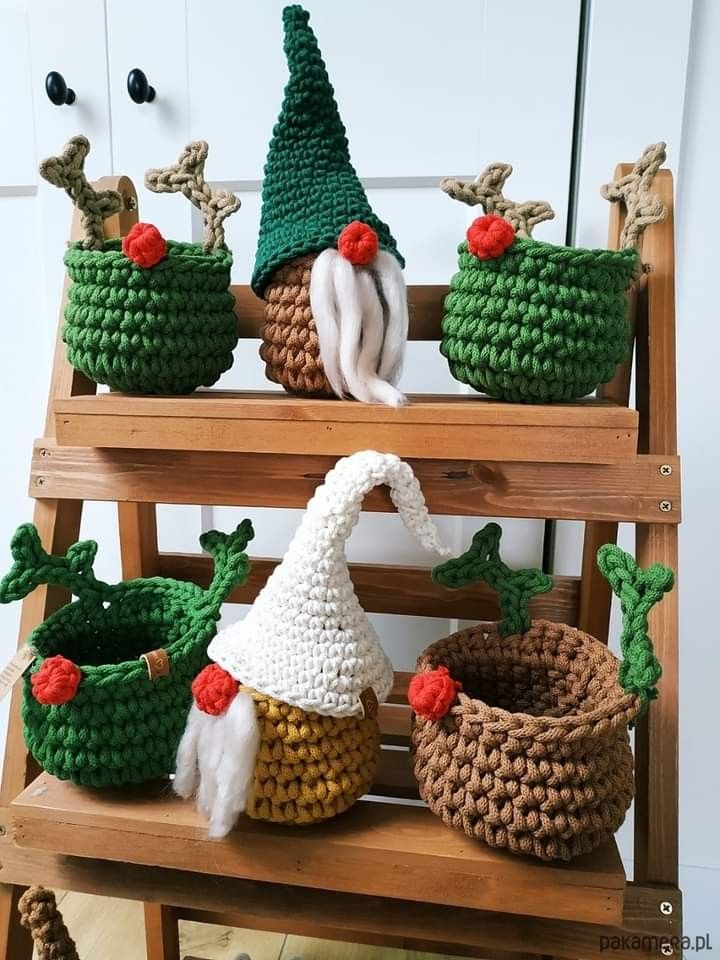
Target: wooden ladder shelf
387,872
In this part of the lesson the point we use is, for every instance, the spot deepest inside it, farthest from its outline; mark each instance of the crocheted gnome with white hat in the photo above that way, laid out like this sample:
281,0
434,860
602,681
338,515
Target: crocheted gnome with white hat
284,724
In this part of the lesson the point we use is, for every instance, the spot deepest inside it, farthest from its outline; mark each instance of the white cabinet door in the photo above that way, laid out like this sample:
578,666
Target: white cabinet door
79,55
150,37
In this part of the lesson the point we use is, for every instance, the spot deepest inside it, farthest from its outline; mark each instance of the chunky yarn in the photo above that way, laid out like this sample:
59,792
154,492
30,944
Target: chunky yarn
309,767
290,345
530,750
145,315
533,322
299,740
120,725
144,245
306,640
169,329
540,323
39,914
310,189
534,755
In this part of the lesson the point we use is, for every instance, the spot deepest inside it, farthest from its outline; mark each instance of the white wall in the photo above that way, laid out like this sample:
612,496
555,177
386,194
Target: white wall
635,91
698,321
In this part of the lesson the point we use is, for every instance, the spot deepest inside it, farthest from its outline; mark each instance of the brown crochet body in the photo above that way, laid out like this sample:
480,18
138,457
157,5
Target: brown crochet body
310,767
535,754
290,345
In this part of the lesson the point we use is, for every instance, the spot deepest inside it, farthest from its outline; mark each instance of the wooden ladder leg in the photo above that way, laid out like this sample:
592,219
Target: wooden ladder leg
139,554
58,523
595,598
656,809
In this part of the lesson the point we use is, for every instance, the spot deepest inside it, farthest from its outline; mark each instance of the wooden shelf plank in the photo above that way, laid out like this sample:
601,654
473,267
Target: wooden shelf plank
380,849
437,428
625,492
386,588
425,301
351,917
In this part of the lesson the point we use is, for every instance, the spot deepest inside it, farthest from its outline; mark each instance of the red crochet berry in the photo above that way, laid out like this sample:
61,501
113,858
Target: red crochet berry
144,245
358,243
489,237
56,681
214,690
431,694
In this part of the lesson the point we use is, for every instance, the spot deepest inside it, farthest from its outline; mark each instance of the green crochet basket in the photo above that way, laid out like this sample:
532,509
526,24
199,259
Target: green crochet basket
534,322
146,315
107,696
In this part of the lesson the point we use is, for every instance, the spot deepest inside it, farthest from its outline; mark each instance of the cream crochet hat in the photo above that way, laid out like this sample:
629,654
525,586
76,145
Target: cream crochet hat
306,640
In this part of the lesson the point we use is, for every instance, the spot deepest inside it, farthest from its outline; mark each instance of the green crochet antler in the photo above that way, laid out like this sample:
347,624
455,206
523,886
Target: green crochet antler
231,562
33,567
514,587
638,590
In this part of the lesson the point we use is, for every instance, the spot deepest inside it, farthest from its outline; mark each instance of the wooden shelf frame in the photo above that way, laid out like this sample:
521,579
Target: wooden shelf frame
376,869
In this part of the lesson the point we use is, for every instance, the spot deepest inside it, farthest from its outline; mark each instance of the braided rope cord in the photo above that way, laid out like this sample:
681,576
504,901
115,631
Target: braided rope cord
514,587
638,590
487,190
642,206
187,176
33,566
67,171
39,914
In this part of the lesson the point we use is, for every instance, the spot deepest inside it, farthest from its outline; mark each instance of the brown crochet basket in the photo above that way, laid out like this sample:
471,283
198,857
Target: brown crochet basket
520,733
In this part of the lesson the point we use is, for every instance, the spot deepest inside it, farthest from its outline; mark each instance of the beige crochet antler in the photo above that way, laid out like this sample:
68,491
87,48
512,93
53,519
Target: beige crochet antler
487,191
67,171
642,206
188,177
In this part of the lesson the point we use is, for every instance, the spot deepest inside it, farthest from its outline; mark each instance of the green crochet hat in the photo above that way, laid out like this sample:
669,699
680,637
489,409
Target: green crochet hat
535,322
107,696
311,190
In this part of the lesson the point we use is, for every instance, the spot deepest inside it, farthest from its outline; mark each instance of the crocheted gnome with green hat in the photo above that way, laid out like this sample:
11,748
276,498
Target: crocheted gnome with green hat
534,322
284,723
328,268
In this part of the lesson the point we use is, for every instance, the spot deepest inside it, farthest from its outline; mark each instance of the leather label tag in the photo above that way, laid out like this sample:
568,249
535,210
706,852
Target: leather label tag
369,703
157,663
13,670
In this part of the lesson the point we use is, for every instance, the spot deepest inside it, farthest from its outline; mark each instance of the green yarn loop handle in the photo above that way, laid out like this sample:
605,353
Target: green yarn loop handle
514,587
231,563
638,590
34,567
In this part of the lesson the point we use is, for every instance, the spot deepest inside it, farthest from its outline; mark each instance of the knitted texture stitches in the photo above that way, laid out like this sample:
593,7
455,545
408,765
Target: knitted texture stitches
309,767
535,755
290,345
120,726
168,329
306,640
540,323
310,188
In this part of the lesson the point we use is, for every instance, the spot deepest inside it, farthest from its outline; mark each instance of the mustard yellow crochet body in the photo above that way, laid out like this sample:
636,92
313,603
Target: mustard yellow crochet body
309,767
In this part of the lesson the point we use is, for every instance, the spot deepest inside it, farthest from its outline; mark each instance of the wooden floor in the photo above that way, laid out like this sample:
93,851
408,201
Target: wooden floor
113,930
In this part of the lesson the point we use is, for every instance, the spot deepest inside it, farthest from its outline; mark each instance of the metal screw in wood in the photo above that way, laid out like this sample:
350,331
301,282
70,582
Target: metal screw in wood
666,908
665,506
666,949
665,470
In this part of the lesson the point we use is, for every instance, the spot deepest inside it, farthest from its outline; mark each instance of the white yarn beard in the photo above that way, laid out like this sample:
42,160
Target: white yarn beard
216,761
361,316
